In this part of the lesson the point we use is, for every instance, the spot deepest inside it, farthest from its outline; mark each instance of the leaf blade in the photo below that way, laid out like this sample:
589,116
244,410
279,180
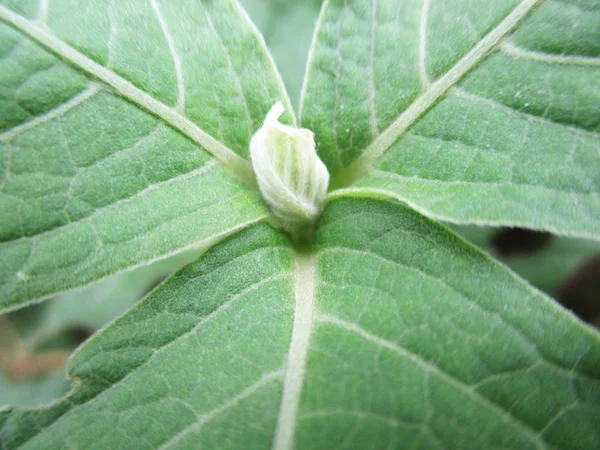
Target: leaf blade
363,291
103,136
263,261
127,90
499,124
397,323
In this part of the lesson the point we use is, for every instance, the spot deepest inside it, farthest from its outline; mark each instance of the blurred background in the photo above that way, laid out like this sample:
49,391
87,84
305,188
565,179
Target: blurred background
35,342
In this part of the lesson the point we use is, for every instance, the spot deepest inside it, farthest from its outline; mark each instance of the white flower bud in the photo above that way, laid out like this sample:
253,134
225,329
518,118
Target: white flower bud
292,179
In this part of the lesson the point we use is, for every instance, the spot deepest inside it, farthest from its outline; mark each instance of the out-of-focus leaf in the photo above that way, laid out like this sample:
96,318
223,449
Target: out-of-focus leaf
287,26
35,392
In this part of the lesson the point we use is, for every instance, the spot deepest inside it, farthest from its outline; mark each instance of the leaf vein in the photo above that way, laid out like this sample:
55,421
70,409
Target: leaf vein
391,421
163,348
458,92
204,418
205,168
494,184
431,368
305,274
238,84
510,49
57,111
436,90
174,55
240,166
494,315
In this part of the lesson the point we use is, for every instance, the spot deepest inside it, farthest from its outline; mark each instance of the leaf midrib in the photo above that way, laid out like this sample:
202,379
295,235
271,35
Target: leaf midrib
305,293
432,94
239,166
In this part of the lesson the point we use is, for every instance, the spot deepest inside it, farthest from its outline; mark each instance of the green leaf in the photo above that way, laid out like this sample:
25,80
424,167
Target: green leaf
393,331
469,114
125,130
116,122
203,327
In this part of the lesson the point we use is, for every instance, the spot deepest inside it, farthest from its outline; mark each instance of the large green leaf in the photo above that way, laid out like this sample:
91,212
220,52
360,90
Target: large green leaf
392,332
117,119
469,113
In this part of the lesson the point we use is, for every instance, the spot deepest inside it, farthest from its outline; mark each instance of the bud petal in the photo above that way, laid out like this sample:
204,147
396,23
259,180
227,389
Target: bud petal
292,179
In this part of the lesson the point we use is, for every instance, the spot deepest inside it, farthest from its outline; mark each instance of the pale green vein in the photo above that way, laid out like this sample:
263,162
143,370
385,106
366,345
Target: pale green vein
204,243
54,113
458,92
265,48
435,91
495,184
384,193
494,315
557,417
363,415
171,116
205,418
431,368
140,194
174,55
424,78
296,361
311,52
160,350
512,50
238,82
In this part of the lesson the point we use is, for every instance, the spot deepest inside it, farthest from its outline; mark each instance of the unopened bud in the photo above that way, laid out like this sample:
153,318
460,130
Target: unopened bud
292,179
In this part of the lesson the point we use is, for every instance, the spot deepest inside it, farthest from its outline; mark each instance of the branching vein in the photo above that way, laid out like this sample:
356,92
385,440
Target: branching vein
423,45
436,90
512,50
204,418
59,111
432,369
228,157
174,55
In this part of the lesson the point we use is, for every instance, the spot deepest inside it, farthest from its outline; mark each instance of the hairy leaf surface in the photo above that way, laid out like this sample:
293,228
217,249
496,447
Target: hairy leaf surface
393,330
472,115
117,119
124,132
